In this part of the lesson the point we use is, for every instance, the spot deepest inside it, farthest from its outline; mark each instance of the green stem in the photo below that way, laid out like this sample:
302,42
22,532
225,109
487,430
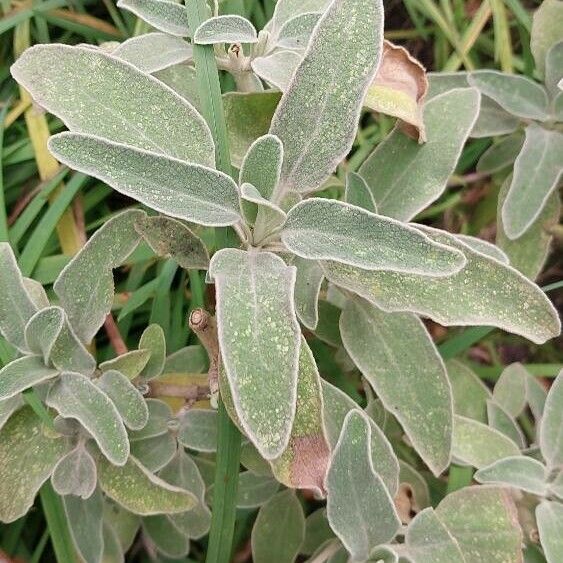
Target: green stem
229,441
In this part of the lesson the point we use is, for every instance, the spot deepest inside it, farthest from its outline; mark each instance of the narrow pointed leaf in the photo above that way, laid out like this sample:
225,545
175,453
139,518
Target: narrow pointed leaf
95,93
401,363
536,396
225,29
521,472
259,338
277,68
308,283
501,420
323,229
358,193
549,516
23,373
75,474
469,392
317,117
360,509
179,189
404,176
36,293
164,15
76,396
484,292
551,429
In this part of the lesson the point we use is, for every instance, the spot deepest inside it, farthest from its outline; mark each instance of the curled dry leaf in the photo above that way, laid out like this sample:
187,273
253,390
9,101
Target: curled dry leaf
399,89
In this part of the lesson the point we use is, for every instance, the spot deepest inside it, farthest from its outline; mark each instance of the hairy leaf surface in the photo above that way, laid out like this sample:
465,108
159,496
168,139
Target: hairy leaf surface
225,29
521,472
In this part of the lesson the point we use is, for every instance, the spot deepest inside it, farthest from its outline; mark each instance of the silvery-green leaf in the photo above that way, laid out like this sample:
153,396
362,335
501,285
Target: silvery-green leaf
85,522
428,540
474,443
252,460
296,32
549,516
419,487
317,531
8,407
198,430
154,453
36,292
536,396
317,117
484,292
510,389
85,286
268,215
154,51
130,364
75,474
546,30
16,305
95,93
153,340
440,82
518,471
278,530
125,524
25,372
397,356
305,461
493,120
255,490
404,176
129,402
259,338
191,359
43,329
325,229
159,416
359,507
170,238
113,551
167,538
500,155
308,283
277,68
141,492
288,9
469,392
28,454
556,486
183,472
484,523
537,172
327,328
518,95
358,192
501,420
336,405
182,79
529,252
551,429
164,15
554,69
75,396
174,187
484,247
225,29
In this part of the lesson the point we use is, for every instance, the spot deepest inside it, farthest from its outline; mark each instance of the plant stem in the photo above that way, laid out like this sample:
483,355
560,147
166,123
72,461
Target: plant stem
228,443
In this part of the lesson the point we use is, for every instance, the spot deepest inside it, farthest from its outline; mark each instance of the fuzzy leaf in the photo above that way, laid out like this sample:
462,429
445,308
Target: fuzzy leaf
296,32
317,117
554,70
164,15
551,429
259,338
536,396
8,407
500,155
16,305
168,539
398,358
268,215
130,364
180,189
484,247
154,453
182,79
317,531
28,454
360,509
225,29
198,430
484,292
417,484
358,192
537,172
521,472
308,283
95,93
153,51
286,10
549,516
517,95
154,341
493,120
75,396
141,492
501,420
303,465
255,490
324,229
43,329
75,474
277,68
476,444
278,530
546,30
404,176
469,392
157,424
510,389
25,372
85,286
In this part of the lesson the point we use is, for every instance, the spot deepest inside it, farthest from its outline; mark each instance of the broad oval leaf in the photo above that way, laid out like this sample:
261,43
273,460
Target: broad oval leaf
277,68
95,93
259,338
179,189
549,516
154,341
154,453
278,530
43,329
130,364
25,372
75,474
397,356
164,15
551,429
198,430
324,229
359,507
518,471
255,490
470,394
159,416
510,389
75,396
225,29
317,116
296,32
484,292
404,176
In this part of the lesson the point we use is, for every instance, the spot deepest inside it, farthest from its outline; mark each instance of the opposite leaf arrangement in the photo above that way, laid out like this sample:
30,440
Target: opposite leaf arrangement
356,272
